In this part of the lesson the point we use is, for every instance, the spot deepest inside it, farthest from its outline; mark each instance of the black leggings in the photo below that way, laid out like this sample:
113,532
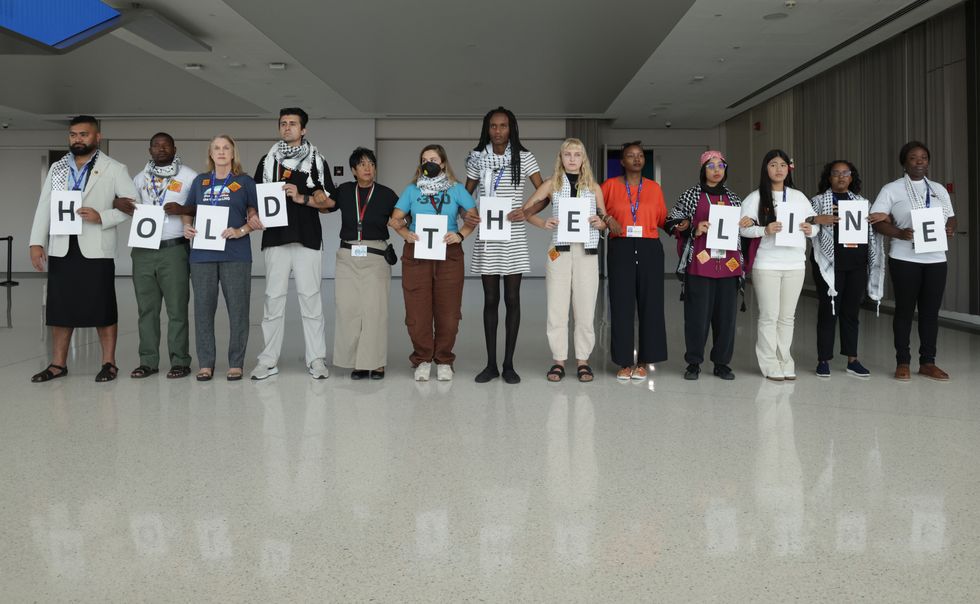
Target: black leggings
917,286
512,322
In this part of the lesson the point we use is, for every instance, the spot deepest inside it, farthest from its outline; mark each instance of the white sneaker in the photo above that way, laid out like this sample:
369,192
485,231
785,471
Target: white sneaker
444,373
260,372
318,369
422,372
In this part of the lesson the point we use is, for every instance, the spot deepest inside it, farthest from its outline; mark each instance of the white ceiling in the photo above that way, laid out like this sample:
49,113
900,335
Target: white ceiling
630,61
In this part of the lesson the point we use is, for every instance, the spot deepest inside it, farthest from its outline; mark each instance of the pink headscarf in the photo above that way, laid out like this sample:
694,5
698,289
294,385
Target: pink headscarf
709,155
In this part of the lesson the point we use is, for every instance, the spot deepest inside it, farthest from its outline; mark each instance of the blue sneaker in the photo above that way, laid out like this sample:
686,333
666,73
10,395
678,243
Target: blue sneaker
855,368
823,369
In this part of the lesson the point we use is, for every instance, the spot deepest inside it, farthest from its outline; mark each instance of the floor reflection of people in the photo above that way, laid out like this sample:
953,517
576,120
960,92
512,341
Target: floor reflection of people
779,474
571,478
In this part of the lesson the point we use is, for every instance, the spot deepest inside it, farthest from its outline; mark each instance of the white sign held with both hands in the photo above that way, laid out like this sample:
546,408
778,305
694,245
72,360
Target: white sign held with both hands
853,225
64,213
573,220
272,204
431,229
147,228
929,230
209,224
494,225
791,214
723,232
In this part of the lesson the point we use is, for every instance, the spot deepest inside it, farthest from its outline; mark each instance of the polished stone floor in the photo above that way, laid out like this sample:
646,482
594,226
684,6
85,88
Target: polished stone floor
292,489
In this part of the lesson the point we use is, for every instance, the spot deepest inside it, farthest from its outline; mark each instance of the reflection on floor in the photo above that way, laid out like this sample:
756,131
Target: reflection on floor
300,490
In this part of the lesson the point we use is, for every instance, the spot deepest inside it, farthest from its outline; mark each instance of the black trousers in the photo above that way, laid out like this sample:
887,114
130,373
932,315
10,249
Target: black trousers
636,287
710,303
922,286
850,285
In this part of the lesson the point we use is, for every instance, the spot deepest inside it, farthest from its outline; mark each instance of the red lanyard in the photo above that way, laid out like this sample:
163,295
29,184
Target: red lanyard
361,209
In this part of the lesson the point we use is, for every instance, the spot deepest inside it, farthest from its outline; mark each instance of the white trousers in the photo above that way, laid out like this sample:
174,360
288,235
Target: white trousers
777,292
572,278
306,266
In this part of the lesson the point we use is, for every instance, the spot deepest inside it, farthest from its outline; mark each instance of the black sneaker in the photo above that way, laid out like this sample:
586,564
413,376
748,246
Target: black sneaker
823,369
724,372
693,371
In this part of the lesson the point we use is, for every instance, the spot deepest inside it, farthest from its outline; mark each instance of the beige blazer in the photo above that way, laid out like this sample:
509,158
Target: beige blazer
108,180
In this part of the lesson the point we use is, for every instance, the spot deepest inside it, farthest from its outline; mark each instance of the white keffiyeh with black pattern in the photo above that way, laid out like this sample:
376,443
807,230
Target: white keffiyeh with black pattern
303,158
582,193
489,165
61,169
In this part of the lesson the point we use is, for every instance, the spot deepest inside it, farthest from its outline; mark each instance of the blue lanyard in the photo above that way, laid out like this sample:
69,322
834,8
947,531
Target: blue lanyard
496,182
158,197
634,208
214,200
928,203
78,183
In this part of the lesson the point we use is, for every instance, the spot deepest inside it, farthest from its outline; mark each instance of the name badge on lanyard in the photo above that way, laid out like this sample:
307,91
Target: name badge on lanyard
634,231
358,251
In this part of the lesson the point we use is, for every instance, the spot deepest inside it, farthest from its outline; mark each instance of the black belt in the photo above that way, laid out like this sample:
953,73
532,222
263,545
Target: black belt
568,248
371,250
172,242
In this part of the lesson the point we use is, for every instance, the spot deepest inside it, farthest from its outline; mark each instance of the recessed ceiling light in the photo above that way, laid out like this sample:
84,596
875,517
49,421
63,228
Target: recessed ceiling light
236,65
698,78
721,59
193,66
774,16
277,66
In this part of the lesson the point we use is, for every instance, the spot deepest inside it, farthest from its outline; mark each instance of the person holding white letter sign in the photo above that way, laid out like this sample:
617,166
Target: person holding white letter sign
918,271
433,288
572,272
779,270
711,276
81,270
221,253
843,267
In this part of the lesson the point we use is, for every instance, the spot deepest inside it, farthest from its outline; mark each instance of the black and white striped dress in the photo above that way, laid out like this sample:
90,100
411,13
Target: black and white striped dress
505,257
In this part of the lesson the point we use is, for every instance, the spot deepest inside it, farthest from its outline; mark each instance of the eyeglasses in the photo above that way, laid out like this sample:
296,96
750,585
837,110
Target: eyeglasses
718,166
840,173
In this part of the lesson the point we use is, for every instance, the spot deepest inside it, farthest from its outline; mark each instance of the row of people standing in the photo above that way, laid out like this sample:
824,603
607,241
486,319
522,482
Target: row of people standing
433,289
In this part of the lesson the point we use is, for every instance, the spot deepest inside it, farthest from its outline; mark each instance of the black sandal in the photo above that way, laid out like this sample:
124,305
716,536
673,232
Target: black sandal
556,370
178,371
47,375
584,371
142,371
107,373
205,374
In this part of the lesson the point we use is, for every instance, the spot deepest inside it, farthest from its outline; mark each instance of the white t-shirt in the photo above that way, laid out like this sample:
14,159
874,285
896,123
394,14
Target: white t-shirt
770,256
894,199
175,190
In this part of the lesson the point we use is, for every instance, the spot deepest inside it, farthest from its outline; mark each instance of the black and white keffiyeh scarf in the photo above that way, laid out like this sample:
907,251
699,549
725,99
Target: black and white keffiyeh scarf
166,172
435,184
582,193
303,158
823,251
489,164
61,169
919,202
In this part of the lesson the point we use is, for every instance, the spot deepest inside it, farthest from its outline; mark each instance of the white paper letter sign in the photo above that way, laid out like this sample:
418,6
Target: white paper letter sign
791,214
64,219
723,232
210,222
853,225
494,225
431,229
272,204
147,226
929,230
573,220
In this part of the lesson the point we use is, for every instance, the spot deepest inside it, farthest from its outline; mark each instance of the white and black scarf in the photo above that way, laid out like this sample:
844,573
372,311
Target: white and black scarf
487,163
582,193
166,172
823,252
61,169
303,158
919,203
435,184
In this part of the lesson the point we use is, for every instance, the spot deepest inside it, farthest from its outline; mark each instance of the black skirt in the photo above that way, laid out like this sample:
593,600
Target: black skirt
81,291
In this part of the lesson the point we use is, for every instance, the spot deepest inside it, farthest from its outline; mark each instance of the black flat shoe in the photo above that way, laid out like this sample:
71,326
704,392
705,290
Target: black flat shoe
47,375
377,374
488,373
359,374
724,372
510,376
693,371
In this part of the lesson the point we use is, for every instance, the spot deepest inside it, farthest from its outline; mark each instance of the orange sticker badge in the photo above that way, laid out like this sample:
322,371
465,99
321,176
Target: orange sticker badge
704,256
732,264
205,182
234,187
287,173
175,186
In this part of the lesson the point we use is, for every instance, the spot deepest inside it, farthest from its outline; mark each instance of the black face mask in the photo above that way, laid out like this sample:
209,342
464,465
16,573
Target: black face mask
431,169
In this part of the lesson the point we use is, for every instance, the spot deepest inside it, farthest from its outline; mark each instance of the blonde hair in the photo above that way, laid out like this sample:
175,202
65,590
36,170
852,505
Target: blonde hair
585,179
445,163
236,162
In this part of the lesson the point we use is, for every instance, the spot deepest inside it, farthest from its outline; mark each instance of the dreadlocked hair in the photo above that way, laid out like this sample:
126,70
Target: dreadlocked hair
515,141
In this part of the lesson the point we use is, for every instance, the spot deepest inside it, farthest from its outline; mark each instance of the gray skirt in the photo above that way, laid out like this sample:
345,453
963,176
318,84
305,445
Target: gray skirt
362,288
